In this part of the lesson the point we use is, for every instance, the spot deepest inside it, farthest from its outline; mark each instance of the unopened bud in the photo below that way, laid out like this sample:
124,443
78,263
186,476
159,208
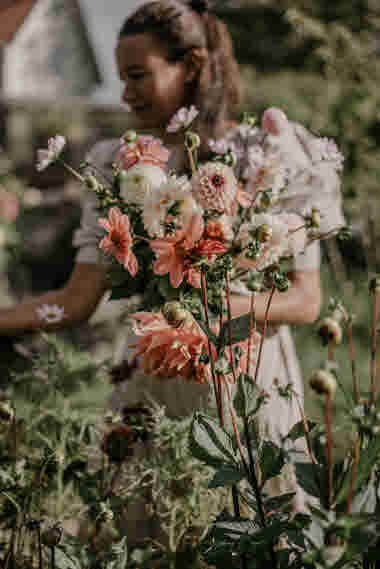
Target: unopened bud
330,331
374,285
129,136
264,233
315,218
175,314
323,382
249,119
52,536
222,366
92,183
192,140
6,412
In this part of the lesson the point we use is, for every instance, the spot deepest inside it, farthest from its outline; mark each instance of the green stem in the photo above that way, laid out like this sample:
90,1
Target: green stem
263,333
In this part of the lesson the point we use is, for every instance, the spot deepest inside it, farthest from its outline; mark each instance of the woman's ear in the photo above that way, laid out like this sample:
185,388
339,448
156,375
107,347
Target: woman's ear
194,60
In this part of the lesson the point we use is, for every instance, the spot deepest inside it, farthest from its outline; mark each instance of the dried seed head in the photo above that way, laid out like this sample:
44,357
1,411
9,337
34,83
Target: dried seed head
6,412
323,382
330,331
52,536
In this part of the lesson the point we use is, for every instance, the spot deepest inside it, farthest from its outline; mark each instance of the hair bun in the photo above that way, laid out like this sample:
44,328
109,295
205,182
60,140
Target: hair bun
200,6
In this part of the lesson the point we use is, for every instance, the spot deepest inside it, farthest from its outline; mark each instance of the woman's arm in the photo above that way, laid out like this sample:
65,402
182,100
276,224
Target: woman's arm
79,298
300,304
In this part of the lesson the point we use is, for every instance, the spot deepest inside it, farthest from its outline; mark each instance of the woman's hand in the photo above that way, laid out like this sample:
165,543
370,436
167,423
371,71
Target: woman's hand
78,299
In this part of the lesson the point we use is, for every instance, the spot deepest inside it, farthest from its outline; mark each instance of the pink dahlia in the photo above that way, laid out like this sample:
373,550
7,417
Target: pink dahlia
168,351
145,149
174,253
214,186
118,242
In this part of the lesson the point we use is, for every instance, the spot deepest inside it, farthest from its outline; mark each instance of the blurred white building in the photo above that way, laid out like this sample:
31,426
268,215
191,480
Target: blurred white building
61,48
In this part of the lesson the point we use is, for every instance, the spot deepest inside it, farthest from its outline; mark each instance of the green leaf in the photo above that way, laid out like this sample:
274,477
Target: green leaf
271,461
248,398
210,443
239,331
226,476
298,430
307,476
63,560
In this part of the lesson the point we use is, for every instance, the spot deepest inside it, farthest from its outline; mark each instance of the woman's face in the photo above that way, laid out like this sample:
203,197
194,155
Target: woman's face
154,87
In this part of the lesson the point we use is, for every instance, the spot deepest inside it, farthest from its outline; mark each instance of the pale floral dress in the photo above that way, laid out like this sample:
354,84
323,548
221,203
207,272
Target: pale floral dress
279,367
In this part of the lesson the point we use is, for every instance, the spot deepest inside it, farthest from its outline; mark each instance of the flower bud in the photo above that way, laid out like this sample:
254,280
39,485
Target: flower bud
192,141
249,119
6,412
129,136
323,382
175,314
330,331
105,514
92,183
52,536
222,366
374,285
264,233
315,218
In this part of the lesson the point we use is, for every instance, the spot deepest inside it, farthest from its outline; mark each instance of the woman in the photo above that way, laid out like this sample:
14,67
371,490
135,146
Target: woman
172,55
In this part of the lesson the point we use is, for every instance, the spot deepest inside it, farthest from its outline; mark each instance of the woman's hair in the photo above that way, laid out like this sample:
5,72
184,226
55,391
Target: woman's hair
185,28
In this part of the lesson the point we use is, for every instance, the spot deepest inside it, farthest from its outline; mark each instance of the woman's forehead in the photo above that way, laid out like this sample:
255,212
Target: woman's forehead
139,50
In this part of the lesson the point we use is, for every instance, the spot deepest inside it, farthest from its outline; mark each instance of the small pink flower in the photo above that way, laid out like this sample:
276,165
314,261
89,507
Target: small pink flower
214,186
173,253
170,351
119,242
182,119
274,121
145,149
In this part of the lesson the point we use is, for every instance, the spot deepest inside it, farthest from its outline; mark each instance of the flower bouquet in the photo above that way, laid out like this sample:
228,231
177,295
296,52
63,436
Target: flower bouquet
189,241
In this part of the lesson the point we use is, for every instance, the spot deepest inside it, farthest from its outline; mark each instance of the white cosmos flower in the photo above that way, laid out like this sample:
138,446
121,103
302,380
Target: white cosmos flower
182,119
158,204
50,313
140,181
50,154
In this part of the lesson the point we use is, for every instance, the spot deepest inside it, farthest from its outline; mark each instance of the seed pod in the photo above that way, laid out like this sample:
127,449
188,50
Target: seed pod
323,382
129,136
175,314
92,183
192,140
6,412
52,536
330,331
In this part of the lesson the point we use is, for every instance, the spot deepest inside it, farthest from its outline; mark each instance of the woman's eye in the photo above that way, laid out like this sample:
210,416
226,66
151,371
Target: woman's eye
136,76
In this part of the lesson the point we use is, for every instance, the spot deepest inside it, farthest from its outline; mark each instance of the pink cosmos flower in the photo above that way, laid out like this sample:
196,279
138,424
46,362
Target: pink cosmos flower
274,121
145,149
169,351
174,253
214,186
182,119
119,242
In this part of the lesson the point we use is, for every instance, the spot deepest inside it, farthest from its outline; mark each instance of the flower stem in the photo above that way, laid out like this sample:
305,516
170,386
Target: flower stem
191,160
72,171
52,557
263,333
376,306
328,423
229,315
353,477
351,349
252,328
215,380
